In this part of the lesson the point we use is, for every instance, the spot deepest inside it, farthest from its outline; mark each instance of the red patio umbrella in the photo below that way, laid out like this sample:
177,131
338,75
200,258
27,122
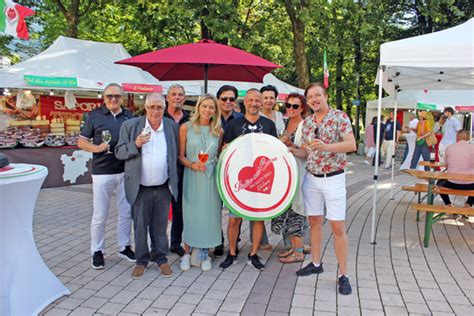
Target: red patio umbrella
203,60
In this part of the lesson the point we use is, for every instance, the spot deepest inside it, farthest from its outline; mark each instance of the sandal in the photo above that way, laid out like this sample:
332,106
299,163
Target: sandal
285,254
293,258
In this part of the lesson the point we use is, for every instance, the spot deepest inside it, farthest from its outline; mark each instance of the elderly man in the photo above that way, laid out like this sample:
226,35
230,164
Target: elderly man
459,158
175,97
252,122
149,146
450,127
328,135
107,173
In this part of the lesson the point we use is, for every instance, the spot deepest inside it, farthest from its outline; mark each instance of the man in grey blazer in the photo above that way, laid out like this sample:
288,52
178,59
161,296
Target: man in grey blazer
149,146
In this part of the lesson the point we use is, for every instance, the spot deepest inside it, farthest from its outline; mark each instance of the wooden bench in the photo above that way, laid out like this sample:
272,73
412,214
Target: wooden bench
431,189
423,188
443,209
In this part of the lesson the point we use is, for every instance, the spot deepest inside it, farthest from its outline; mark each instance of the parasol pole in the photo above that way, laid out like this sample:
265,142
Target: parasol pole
206,70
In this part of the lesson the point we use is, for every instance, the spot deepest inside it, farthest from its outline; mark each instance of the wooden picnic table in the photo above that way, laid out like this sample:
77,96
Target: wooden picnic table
432,176
432,165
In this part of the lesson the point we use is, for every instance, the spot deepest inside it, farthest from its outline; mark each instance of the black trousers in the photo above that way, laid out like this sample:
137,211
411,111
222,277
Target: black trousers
455,186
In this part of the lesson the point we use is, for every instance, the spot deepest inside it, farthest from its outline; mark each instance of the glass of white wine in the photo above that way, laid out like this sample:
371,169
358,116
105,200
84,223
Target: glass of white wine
106,138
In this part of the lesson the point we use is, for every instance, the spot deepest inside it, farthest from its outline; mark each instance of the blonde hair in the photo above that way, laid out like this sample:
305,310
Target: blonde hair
215,124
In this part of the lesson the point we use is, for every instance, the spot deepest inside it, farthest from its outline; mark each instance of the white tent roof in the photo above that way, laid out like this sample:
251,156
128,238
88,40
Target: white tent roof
196,87
408,99
92,63
435,61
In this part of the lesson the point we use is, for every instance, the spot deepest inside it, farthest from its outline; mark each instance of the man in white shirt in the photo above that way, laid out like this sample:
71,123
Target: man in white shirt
149,146
412,125
450,128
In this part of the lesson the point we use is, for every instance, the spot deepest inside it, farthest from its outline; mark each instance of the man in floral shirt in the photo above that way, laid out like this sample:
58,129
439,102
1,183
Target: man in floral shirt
328,137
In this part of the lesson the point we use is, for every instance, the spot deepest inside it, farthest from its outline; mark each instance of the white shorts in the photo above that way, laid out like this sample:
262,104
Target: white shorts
330,191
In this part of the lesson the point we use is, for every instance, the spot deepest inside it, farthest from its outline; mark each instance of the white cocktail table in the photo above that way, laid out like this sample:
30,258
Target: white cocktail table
26,284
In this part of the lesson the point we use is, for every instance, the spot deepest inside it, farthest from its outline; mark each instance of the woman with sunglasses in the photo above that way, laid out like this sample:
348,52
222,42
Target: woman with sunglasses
292,223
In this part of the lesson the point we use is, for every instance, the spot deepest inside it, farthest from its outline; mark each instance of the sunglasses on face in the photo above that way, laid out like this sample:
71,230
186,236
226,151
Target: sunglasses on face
227,98
294,106
113,96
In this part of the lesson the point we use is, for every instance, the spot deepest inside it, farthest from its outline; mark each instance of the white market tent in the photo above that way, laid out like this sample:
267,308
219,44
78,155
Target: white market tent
409,99
92,63
196,87
442,60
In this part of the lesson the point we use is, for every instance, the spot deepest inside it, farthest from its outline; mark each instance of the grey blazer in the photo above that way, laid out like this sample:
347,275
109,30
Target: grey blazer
128,151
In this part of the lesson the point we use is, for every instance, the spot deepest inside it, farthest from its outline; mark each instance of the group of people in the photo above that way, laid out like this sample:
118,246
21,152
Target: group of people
454,149
170,156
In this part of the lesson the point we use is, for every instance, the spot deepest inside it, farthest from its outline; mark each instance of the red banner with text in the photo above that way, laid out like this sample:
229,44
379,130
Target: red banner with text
54,107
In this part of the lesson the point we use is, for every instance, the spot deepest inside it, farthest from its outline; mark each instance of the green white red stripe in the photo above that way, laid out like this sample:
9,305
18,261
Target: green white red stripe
12,19
326,72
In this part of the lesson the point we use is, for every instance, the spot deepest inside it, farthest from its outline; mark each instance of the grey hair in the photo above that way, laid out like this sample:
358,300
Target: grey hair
174,86
113,84
155,96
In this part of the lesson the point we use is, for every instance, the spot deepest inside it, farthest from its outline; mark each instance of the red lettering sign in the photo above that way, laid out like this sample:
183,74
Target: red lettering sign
54,107
145,88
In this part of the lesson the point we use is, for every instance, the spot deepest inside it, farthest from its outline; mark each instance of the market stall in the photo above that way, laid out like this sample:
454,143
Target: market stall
45,100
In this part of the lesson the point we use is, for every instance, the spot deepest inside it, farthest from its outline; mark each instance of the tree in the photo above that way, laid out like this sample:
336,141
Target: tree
296,9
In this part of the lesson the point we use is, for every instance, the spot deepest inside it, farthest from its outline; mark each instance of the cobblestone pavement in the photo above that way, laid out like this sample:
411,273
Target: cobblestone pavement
397,276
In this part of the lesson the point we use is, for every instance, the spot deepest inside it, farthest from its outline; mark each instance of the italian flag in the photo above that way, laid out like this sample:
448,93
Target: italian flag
12,19
326,72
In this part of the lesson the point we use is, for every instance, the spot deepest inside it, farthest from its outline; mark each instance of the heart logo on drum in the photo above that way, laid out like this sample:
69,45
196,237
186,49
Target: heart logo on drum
258,178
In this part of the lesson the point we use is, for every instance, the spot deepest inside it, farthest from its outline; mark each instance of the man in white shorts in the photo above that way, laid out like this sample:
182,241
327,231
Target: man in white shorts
328,135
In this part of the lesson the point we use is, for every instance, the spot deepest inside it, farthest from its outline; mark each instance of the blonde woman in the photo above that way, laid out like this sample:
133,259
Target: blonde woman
200,140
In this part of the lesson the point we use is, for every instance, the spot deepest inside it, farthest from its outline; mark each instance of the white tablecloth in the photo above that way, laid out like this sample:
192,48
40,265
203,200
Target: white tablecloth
26,284
411,143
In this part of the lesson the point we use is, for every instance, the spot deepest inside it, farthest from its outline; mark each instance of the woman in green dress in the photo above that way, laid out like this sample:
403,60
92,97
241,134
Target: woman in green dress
200,141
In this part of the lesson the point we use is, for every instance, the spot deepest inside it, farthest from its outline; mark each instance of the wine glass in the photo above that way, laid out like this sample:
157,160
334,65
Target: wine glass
106,138
281,134
203,156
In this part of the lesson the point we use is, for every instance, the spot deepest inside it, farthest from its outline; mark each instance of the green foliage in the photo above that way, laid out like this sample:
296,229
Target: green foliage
350,31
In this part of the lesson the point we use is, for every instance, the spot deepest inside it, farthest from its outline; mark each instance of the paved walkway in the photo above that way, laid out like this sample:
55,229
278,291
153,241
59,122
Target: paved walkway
396,277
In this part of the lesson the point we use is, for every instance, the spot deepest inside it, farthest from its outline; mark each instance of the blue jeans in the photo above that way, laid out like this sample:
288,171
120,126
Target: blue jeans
420,150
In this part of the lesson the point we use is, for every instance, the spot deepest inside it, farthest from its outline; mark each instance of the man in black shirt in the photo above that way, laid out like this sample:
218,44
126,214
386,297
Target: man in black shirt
107,173
252,122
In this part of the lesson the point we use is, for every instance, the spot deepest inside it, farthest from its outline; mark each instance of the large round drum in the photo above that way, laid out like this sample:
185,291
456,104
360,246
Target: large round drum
257,177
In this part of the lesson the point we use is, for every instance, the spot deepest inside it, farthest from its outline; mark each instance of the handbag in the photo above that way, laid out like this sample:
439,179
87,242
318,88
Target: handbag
431,140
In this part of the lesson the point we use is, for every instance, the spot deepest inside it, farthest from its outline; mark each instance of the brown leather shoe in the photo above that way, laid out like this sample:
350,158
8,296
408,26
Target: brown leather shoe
166,270
138,271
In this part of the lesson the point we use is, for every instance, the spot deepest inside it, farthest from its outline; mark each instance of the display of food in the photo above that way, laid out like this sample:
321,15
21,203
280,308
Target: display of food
73,126
54,140
42,124
57,127
31,137
8,137
71,138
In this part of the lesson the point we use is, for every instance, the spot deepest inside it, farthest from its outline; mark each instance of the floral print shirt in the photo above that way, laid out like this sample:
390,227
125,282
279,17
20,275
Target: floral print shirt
332,129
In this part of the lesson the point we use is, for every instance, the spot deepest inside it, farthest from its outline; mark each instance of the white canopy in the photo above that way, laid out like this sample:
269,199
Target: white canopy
435,61
92,63
196,87
442,60
408,99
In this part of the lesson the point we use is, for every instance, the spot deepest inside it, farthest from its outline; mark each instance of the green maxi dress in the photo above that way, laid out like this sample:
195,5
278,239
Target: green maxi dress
202,207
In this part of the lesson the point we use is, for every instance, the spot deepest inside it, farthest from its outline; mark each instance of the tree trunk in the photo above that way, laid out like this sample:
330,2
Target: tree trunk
72,16
298,26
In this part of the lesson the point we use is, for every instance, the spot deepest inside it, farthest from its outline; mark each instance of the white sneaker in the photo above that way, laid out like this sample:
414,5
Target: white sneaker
195,258
367,162
206,265
185,263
